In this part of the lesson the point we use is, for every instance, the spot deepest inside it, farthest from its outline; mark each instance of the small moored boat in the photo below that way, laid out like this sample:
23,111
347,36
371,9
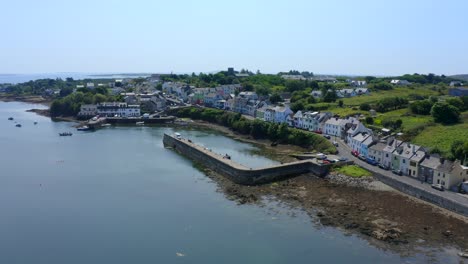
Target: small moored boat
10,118
35,123
18,125
463,254
65,134
141,123
106,125
83,128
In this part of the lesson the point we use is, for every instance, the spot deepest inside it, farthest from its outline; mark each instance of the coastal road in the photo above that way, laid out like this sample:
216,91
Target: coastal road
345,151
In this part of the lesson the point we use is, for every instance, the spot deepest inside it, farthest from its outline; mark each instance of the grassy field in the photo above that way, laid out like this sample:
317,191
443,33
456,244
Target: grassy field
410,120
353,171
442,136
398,91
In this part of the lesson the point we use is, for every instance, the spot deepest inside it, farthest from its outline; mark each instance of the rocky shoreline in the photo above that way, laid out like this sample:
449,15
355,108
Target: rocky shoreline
386,218
34,99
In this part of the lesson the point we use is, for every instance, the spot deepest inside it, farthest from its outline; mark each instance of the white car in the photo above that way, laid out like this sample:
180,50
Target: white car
321,156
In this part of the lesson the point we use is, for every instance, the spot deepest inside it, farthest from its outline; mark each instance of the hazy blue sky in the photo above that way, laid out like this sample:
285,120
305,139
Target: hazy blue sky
332,36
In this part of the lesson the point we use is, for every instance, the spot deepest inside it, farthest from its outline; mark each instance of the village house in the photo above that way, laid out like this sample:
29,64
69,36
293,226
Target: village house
455,83
353,126
400,82
282,113
270,114
120,109
346,93
366,144
260,113
316,94
297,120
392,144
459,91
87,111
427,168
401,157
90,85
376,151
293,77
333,127
357,83
356,141
450,174
415,161
362,91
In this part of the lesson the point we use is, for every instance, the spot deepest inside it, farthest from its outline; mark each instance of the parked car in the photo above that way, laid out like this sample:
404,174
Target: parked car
362,157
332,160
327,136
343,159
382,166
354,153
335,143
321,156
397,172
372,161
438,187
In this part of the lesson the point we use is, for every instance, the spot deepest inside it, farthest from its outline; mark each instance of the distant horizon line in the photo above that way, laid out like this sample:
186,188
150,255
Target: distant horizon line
205,72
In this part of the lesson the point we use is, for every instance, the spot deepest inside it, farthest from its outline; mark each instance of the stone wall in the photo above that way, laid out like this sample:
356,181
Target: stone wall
237,172
422,194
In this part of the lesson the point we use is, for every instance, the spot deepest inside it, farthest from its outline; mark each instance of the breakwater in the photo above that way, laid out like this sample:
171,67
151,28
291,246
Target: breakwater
239,173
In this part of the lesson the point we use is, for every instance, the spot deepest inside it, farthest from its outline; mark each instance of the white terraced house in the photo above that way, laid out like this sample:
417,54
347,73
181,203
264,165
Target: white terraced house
119,109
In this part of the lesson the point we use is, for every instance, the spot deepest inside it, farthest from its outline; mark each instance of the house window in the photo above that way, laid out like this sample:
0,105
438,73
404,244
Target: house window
386,155
443,175
404,161
438,181
443,183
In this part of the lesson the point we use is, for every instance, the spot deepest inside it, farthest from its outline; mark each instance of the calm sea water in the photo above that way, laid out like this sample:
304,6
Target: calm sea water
118,196
20,78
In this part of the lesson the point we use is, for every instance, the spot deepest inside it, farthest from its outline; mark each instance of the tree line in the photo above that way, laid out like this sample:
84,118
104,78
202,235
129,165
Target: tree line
257,129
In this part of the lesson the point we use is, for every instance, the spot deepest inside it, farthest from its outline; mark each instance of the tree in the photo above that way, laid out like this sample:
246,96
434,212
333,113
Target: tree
296,106
261,90
457,102
459,150
65,91
292,86
421,107
330,96
369,120
445,113
283,132
340,103
365,107
275,98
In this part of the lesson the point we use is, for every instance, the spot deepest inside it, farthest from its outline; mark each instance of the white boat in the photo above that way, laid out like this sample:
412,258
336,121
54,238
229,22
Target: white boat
463,254
83,128
178,135
141,123
106,125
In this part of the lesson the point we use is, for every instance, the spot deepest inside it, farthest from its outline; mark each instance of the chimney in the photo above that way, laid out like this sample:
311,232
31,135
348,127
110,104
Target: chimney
442,160
414,149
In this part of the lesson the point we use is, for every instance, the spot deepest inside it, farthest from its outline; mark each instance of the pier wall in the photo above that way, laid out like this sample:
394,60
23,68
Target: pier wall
237,172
